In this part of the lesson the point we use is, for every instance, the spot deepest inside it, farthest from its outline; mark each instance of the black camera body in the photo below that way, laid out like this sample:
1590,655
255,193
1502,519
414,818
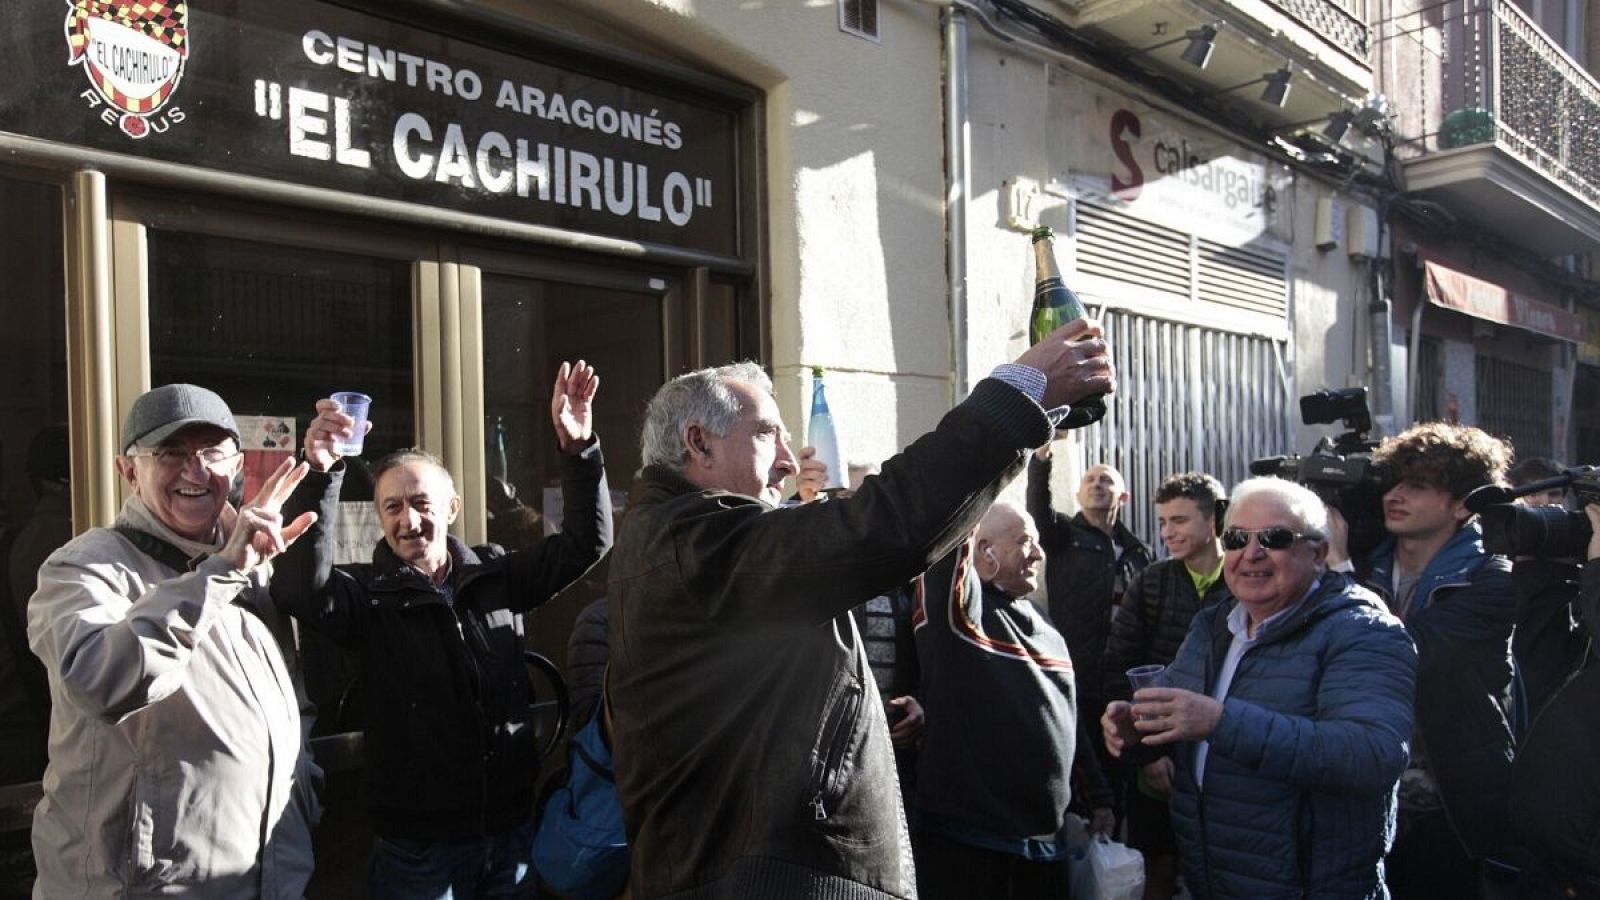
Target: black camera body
1542,532
1339,470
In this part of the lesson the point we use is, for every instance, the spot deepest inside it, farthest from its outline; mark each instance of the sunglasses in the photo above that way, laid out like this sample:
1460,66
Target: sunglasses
1274,538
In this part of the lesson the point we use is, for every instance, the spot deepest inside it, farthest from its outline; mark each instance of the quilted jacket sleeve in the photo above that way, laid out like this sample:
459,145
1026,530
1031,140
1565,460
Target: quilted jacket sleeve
1358,738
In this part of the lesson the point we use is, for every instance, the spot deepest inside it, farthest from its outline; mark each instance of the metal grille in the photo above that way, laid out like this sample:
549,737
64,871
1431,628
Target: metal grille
860,18
1342,23
1113,244
1430,380
1508,83
1189,398
1504,391
1241,277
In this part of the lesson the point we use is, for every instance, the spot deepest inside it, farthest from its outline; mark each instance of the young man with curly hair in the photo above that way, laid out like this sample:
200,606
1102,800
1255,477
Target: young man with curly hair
1459,605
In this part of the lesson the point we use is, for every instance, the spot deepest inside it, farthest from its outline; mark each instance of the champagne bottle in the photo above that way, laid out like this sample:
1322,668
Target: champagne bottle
1054,305
821,435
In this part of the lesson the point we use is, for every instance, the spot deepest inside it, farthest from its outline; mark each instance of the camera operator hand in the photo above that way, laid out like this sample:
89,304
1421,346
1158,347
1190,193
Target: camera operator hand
1338,539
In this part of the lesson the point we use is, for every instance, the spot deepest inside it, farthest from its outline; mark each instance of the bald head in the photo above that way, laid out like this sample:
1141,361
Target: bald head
1008,550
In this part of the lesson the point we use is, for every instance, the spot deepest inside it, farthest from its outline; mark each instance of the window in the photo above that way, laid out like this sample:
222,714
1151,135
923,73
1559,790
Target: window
1504,410
1190,398
35,496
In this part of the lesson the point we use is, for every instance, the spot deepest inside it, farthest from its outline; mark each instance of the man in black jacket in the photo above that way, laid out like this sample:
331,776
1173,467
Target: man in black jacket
994,775
753,755
1148,627
451,758
1091,559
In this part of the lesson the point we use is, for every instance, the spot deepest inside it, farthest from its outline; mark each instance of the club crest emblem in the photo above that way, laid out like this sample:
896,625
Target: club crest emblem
132,52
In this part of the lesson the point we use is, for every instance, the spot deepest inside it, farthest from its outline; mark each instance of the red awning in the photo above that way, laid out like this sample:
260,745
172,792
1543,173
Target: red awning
1487,300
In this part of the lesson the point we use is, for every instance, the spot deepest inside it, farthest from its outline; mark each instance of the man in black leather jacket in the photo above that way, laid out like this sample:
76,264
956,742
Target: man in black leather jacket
451,761
753,756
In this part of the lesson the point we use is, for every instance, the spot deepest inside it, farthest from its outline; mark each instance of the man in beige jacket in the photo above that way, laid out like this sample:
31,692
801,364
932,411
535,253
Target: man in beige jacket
178,759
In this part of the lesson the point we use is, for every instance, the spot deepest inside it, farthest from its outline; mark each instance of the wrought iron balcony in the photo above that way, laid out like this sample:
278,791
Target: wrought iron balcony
1517,116
1342,23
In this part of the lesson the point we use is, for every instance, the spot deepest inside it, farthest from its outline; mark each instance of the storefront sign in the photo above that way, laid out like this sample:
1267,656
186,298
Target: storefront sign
1492,302
1121,153
317,94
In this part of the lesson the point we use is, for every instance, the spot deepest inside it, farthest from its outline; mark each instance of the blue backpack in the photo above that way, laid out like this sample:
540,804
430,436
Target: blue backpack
581,850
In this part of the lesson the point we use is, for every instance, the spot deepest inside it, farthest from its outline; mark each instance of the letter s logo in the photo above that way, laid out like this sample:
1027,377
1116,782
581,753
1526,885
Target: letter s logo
1125,122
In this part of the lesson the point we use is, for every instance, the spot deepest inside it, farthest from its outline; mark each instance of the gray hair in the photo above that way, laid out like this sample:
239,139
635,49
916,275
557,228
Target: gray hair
1305,509
700,397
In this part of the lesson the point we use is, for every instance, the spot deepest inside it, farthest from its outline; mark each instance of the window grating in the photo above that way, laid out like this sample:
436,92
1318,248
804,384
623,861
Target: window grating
1112,244
860,18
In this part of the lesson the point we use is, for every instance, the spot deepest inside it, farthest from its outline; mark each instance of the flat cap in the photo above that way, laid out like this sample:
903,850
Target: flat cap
162,411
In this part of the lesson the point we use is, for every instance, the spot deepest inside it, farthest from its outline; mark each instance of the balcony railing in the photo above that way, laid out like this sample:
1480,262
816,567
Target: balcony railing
1507,83
1342,23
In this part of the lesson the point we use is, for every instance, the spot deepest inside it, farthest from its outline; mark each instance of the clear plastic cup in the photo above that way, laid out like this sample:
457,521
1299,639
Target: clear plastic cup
1144,676
355,406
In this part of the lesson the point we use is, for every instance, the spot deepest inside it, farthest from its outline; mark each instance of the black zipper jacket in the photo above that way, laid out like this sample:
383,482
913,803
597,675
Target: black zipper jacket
450,747
753,757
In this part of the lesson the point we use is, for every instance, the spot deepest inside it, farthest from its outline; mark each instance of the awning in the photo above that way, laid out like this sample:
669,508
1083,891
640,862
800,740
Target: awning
1487,300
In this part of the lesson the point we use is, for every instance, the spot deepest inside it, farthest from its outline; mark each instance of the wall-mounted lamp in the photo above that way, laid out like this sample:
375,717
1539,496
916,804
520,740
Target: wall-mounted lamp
1276,93
1338,125
1201,40
1370,119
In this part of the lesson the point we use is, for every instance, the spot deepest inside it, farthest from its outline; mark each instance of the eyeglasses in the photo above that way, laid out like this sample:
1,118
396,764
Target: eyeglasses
1274,538
178,457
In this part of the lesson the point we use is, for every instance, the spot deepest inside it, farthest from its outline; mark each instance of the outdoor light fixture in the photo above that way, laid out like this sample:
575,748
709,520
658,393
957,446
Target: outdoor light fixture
1338,125
1201,40
1276,92
1277,89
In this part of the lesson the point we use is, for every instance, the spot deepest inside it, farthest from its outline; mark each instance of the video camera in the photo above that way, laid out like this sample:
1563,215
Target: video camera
1545,532
1339,469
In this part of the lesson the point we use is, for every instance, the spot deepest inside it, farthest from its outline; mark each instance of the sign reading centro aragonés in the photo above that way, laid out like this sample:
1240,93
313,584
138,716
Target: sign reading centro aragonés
316,94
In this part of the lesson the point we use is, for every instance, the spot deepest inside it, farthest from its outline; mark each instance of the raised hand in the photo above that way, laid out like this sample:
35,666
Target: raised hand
258,531
572,405
330,426
1074,360
812,477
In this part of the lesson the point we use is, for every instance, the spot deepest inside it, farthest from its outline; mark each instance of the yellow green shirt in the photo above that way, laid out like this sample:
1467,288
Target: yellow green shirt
1202,581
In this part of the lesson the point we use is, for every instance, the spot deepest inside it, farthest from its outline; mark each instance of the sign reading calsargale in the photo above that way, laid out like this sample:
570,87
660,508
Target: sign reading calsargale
319,95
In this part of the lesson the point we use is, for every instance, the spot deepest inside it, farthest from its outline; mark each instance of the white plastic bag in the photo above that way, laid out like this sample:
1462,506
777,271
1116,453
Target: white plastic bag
1107,870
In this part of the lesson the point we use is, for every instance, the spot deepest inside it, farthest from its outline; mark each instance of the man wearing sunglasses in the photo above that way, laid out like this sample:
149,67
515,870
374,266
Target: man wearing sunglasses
1286,714
177,757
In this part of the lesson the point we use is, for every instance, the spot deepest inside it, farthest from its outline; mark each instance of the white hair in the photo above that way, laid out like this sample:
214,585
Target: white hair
1304,508
700,397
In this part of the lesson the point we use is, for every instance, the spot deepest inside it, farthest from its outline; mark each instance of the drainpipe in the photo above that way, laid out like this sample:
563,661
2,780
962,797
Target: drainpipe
1411,358
1380,333
953,28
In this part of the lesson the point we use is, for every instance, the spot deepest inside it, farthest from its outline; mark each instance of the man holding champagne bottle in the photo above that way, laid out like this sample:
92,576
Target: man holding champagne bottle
753,755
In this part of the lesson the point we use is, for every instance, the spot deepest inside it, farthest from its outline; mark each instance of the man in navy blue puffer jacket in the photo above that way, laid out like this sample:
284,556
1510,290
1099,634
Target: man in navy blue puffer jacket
1287,714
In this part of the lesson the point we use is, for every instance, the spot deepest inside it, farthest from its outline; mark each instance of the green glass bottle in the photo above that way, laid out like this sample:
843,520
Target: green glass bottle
1054,305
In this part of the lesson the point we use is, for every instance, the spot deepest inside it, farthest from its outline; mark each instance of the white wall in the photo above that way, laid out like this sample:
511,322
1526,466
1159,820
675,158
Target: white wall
855,185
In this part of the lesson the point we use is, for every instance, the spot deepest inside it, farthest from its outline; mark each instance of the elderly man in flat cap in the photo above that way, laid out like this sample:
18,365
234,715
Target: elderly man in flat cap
178,759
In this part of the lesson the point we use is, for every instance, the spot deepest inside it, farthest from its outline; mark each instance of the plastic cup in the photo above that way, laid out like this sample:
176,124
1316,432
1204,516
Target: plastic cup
355,406
1144,676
